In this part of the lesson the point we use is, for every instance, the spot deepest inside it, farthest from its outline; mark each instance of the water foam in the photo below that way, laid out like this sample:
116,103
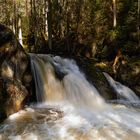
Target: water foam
72,108
119,123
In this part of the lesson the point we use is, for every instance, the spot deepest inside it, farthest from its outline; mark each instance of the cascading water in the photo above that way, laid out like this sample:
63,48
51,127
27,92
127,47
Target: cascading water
72,108
124,93
73,88
48,88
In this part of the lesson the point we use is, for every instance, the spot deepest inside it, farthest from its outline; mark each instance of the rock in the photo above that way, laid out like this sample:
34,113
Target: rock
14,63
129,74
16,96
96,77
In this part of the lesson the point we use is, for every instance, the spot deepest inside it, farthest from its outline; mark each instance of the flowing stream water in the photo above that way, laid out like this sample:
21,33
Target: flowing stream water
70,108
124,94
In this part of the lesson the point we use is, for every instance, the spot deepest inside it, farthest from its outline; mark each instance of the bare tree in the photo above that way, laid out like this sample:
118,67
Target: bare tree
20,31
15,22
49,23
114,13
138,23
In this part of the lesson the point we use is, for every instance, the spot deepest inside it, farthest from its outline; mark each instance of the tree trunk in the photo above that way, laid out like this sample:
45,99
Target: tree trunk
15,30
35,27
138,23
138,7
79,6
45,19
30,17
20,31
114,14
6,13
26,8
49,22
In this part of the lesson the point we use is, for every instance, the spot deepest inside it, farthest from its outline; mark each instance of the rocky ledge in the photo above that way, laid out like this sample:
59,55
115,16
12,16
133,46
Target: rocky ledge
15,77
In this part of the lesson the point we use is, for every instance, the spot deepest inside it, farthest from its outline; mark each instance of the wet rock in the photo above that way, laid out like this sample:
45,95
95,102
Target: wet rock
16,94
14,63
129,74
95,76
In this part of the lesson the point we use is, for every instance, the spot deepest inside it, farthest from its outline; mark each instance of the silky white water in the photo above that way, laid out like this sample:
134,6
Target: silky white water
73,88
72,108
123,93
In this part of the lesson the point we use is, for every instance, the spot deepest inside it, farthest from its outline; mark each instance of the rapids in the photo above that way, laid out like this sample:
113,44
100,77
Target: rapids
69,108
122,91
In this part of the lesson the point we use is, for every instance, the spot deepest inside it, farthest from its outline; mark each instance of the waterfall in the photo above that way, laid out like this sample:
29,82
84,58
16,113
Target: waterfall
70,108
73,87
123,92
48,87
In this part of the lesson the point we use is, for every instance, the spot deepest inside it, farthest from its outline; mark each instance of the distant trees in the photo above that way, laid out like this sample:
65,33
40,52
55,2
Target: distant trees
88,22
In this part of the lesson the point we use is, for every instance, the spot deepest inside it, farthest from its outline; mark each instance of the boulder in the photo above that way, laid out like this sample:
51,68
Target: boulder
94,74
129,74
14,65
